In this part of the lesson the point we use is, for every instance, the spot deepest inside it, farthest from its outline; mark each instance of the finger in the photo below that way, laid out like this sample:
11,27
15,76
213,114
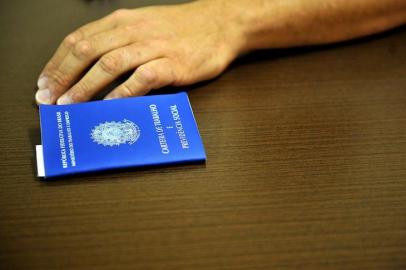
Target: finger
106,70
152,75
83,55
103,24
107,23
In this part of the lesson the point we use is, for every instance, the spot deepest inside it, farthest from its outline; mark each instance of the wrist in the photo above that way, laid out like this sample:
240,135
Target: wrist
252,24
232,22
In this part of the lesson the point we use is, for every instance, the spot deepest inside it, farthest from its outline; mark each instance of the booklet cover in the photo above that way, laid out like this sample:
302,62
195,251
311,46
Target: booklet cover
120,133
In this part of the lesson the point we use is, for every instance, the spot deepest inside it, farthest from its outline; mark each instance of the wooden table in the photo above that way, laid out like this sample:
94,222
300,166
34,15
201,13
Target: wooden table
306,163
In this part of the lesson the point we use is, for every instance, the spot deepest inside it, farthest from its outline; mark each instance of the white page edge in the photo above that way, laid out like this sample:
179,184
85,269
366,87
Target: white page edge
40,161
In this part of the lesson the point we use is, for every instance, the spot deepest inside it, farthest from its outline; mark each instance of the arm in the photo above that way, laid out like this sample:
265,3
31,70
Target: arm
183,44
279,23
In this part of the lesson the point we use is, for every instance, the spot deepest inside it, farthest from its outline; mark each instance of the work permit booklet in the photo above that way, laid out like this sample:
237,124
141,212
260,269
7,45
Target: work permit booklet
120,133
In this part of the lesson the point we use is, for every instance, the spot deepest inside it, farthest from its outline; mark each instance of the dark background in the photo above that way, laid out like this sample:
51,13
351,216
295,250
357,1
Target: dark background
306,163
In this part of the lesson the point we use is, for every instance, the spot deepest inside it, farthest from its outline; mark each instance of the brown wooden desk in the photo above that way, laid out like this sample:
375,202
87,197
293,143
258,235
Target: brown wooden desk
306,164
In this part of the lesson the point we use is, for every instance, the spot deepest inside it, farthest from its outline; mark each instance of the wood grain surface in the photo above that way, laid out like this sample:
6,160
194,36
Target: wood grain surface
306,163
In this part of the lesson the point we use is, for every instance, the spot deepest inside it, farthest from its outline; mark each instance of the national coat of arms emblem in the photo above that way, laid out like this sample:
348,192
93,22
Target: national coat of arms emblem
115,133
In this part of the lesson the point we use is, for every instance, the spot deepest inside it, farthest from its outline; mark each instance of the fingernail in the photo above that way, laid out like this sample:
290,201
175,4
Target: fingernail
111,96
42,82
43,96
64,100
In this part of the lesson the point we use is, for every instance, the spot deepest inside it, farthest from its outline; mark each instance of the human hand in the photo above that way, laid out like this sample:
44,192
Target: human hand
165,45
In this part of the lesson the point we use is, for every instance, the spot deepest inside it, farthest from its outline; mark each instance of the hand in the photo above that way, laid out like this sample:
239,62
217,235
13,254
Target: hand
166,45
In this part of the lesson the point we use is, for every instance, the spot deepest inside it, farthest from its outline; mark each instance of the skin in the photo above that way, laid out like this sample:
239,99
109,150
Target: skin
184,44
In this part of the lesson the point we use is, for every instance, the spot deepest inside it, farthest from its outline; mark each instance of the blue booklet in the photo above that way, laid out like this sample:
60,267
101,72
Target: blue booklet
111,134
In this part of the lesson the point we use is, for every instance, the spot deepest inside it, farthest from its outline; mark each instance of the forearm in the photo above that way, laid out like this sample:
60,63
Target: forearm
287,23
184,44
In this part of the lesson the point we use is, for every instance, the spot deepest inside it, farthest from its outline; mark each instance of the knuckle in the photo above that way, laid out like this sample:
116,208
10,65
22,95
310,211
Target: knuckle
173,76
82,88
111,64
60,78
80,92
50,66
73,38
83,50
126,90
179,76
145,75
180,80
120,13
135,54
129,28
